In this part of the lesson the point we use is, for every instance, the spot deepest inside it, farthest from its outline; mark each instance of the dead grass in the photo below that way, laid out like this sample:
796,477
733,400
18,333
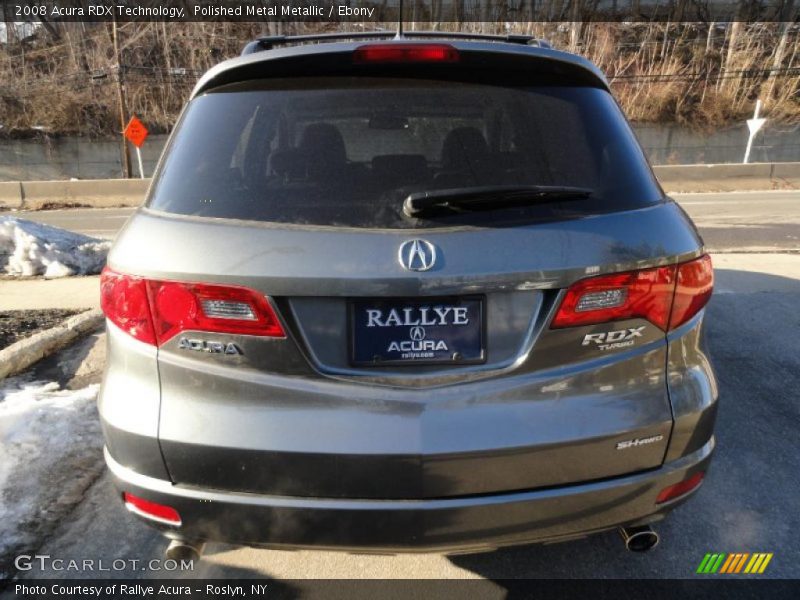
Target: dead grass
689,73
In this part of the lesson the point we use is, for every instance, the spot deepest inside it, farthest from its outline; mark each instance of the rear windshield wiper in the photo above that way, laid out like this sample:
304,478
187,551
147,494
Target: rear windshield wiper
490,197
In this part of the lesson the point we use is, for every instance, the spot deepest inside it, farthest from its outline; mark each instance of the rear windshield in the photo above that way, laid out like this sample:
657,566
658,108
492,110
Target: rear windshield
348,151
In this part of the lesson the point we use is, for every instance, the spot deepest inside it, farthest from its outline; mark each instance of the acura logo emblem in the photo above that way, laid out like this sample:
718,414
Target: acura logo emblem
417,333
417,255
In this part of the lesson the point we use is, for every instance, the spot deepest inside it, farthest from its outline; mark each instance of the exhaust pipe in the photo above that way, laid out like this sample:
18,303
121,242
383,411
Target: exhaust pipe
179,550
639,539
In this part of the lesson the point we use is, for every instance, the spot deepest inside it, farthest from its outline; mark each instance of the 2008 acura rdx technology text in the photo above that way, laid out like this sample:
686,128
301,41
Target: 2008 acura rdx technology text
402,295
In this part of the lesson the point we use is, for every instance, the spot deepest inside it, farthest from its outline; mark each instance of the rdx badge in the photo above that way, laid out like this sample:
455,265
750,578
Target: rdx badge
209,346
613,339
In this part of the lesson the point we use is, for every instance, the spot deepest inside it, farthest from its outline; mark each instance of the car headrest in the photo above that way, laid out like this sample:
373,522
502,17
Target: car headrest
323,141
464,147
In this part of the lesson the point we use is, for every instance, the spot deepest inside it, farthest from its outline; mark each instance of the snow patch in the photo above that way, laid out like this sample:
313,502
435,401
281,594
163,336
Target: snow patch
28,249
50,445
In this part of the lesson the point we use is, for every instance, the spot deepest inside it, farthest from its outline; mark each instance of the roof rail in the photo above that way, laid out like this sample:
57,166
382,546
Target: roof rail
511,38
270,41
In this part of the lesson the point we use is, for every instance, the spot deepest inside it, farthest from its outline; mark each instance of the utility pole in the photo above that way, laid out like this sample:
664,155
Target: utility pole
123,105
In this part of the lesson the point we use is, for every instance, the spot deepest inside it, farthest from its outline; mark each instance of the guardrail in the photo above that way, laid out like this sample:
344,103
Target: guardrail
104,193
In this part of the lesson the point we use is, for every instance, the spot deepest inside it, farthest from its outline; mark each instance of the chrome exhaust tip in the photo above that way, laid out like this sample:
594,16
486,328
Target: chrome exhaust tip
639,539
183,550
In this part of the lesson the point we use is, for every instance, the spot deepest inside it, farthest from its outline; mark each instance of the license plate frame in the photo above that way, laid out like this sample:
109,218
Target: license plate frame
468,344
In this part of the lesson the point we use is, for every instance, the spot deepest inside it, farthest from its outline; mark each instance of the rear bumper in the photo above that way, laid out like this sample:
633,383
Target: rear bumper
440,525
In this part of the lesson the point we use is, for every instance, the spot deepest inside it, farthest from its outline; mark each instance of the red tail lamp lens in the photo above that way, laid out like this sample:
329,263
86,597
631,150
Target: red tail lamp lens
179,306
405,53
681,488
693,290
124,301
152,510
155,311
666,296
646,294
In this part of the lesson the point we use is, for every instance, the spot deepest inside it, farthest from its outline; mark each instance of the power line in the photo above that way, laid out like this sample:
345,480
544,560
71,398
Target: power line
690,77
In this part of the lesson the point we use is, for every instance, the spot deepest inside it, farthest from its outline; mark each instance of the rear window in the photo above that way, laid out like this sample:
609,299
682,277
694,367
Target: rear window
348,151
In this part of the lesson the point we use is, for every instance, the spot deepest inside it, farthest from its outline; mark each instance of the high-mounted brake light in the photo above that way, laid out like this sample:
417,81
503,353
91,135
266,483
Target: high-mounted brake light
666,296
405,53
155,311
152,510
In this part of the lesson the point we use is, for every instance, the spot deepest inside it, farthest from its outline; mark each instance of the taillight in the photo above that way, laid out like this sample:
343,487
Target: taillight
405,53
124,301
179,306
155,311
693,288
680,489
646,294
666,296
152,510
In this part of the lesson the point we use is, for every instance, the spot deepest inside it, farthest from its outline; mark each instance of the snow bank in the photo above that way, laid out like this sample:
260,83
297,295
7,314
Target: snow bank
50,451
28,249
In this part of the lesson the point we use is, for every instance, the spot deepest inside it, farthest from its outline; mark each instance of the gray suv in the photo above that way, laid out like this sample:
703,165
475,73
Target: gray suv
406,294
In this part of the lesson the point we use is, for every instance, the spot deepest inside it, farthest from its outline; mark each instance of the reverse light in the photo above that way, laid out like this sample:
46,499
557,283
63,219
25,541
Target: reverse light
666,296
680,489
602,299
155,311
154,511
405,53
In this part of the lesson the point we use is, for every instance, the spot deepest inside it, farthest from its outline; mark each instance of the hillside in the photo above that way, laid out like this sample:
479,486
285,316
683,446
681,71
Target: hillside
64,78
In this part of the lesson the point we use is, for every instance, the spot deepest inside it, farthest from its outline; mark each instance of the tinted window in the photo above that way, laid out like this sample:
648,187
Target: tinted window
347,151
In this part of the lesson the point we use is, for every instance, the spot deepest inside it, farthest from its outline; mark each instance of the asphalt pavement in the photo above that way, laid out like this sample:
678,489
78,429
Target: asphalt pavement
746,221
96,222
748,502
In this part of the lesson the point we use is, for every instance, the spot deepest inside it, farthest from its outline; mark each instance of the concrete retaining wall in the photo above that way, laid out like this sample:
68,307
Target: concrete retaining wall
51,158
65,157
10,194
131,192
102,193
729,178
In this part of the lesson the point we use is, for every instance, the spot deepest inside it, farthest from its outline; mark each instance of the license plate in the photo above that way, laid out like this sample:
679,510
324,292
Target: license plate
398,331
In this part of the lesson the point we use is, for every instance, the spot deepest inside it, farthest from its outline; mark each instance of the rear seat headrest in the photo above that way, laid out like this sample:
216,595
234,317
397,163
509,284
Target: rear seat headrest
323,141
464,147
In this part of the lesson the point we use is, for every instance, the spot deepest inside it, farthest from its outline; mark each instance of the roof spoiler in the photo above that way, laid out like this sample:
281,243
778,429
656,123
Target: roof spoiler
269,42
